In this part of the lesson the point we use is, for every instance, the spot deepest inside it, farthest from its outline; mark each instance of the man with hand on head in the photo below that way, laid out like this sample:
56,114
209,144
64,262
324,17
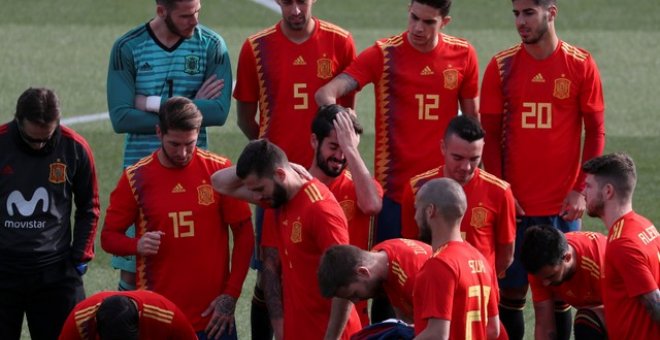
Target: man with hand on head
305,220
337,164
171,55
182,236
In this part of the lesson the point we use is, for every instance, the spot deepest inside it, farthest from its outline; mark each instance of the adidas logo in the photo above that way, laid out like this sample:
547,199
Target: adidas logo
178,188
299,61
146,67
426,71
538,78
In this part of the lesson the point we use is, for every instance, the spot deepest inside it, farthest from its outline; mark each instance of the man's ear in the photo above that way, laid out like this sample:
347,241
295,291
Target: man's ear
363,271
159,133
280,174
314,141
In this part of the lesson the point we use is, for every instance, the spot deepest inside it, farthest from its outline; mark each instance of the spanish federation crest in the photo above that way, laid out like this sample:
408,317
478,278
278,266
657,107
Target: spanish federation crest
192,65
562,88
205,194
57,172
348,207
451,78
479,216
296,232
324,68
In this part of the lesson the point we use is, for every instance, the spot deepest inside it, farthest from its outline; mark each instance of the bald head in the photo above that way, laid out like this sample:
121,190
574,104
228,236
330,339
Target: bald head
447,197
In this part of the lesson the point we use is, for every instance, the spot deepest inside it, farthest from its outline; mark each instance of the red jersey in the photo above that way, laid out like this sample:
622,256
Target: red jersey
417,95
583,289
283,76
159,318
360,230
458,285
632,268
490,218
192,264
542,104
301,230
405,259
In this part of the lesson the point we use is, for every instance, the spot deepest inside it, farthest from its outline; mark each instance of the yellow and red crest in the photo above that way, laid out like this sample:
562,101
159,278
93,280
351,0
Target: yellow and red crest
479,217
324,68
57,172
296,232
451,78
205,194
348,207
562,88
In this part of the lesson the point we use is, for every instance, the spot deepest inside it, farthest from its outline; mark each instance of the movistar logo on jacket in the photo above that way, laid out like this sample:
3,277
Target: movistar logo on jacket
18,205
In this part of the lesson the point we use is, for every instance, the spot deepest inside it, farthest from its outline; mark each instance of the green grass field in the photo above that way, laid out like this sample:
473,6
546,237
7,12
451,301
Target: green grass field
65,45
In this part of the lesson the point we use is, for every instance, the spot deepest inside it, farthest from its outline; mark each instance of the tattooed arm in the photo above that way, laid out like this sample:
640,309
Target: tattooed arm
336,88
273,289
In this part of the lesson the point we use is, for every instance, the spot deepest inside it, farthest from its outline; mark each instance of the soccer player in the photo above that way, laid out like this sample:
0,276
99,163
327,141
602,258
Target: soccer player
390,268
632,261
171,55
337,164
455,294
420,77
306,220
182,237
279,70
133,315
535,99
490,220
566,268
45,170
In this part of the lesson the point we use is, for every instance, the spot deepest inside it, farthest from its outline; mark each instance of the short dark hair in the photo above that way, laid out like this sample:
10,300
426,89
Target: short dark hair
169,4
617,169
466,127
543,3
447,196
322,124
338,268
442,5
117,319
179,113
260,157
39,105
542,245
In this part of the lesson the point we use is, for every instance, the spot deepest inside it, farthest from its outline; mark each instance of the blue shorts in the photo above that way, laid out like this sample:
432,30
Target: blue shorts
125,263
201,335
255,262
388,223
516,276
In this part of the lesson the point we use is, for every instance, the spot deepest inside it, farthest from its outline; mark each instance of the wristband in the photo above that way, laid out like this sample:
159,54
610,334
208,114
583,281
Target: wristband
81,268
153,104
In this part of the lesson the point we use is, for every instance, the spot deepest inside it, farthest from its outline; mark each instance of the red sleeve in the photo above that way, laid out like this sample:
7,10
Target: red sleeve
506,225
409,228
491,107
330,224
492,155
247,84
367,67
591,92
268,232
122,212
491,101
348,100
594,142
630,261
470,85
243,237
539,291
433,293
